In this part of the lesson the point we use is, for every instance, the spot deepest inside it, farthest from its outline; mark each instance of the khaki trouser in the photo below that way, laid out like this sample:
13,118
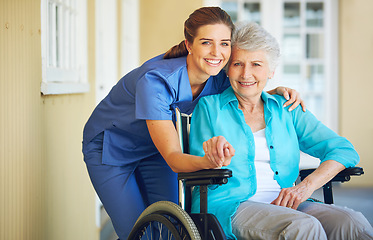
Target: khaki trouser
312,220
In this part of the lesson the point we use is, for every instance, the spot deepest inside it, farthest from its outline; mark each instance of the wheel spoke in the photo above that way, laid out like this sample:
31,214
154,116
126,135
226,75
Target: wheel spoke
164,221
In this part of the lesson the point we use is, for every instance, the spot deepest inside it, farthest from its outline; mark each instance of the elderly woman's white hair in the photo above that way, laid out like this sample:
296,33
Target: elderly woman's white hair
252,37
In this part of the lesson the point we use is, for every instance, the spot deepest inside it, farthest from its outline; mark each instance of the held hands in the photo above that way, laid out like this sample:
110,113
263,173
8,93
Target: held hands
292,96
218,151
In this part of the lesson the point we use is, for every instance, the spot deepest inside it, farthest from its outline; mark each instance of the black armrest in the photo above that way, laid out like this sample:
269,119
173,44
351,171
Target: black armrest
206,177
203,178
343,176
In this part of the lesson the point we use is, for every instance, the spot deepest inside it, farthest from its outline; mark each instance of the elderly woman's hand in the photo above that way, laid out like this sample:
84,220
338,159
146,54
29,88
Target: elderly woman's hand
291,95
218,151
293,196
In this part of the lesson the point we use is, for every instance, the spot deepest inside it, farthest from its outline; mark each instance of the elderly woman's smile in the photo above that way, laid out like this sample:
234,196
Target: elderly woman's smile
248,72
248,84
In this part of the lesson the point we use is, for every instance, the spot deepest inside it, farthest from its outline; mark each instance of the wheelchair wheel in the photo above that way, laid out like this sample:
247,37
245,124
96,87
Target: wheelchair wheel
164,220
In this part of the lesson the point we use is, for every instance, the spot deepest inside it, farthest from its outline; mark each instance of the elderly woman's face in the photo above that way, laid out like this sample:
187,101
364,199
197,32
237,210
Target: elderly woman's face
248,72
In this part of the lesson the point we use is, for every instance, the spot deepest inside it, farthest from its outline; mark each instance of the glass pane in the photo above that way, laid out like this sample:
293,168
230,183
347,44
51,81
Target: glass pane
315,78
231,8
315,14
58,34
292,76
51,39
315,46
292,47
315,103
251,12
291,14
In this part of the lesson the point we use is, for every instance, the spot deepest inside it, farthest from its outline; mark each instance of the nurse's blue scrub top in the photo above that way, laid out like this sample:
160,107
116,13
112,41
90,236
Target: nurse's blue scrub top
151,92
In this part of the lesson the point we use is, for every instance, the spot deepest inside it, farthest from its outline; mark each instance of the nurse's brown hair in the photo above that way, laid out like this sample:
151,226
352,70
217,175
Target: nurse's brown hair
200,17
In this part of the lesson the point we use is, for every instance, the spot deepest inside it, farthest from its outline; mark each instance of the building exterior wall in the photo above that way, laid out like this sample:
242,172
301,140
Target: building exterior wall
45,191
22,144
356,60
162,25
70,197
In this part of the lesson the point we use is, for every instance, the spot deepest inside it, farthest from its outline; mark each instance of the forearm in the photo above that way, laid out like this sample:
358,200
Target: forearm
180,162
324,173
293,196
166,140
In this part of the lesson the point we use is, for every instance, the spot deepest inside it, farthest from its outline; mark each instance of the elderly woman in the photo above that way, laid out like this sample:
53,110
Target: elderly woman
249,130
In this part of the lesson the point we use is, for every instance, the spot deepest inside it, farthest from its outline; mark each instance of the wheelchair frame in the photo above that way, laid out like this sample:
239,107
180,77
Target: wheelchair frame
178,219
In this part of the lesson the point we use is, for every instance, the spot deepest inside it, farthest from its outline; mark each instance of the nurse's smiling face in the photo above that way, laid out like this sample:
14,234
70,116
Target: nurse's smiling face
209,52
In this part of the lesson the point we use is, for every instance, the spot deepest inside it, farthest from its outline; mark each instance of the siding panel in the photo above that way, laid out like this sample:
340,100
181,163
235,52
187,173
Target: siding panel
21,143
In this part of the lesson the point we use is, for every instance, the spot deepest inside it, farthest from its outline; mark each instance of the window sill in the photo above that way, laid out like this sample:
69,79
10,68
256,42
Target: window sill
54,88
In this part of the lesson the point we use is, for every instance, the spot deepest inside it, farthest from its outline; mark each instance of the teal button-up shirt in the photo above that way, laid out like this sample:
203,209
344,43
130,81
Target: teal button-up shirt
286,132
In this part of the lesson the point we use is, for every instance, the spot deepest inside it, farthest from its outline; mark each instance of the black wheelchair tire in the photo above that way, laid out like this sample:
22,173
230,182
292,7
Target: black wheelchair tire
166,213
141,228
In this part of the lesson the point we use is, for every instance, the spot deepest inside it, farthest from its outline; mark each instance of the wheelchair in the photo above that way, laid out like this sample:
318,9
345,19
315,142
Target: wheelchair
167,220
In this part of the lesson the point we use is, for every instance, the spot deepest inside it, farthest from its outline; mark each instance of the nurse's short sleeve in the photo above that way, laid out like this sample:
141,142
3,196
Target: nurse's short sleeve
153,97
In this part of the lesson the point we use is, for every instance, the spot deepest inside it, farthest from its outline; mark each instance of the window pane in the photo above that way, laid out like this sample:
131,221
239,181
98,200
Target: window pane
58,35
315,78
291,15
64,39
292,75
292,47
315,46
316,104
314,14
231,8
252,12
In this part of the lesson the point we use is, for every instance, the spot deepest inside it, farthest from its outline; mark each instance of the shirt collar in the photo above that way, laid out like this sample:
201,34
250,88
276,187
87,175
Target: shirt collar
228,96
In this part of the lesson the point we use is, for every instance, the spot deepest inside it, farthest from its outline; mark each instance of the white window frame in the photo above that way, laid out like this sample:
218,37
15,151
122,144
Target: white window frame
329,61
130,53
64,46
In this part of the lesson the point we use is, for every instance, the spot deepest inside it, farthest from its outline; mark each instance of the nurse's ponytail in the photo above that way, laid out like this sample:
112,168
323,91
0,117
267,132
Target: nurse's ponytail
176,51
200,17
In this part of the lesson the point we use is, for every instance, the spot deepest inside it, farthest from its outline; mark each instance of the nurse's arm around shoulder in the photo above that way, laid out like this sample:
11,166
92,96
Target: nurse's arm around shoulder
165,138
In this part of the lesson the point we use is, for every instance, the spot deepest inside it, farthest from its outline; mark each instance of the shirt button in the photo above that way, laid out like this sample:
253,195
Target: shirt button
271,147
276,172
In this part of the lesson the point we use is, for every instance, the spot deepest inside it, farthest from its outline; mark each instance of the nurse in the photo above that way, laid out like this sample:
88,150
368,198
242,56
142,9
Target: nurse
130,144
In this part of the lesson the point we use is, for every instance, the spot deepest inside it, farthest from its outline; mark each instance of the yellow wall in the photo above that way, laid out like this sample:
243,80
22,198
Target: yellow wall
22,144
45,192
162,24
356,84
70,196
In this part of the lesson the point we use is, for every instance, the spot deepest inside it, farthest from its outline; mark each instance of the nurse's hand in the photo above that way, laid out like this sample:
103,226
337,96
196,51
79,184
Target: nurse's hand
218,151
291,95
